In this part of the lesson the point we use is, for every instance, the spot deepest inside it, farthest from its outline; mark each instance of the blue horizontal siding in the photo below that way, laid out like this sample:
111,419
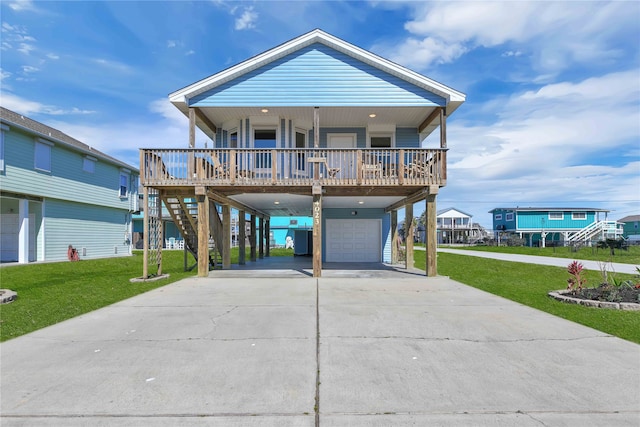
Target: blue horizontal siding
317,75
407,138
533,220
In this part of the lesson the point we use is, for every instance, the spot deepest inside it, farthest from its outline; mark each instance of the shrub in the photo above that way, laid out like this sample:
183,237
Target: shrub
576,280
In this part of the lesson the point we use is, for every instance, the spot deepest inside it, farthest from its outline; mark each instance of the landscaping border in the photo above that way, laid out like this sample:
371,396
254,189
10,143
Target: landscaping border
560,296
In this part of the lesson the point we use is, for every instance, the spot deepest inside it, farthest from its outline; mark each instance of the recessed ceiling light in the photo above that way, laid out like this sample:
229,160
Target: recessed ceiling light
276,202
372,115
264,110
360,202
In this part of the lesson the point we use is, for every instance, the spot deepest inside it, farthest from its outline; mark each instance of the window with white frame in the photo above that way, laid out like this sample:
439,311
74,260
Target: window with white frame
381,140
508,217
124,184
578,215
42,158
556,216
497,217
89,164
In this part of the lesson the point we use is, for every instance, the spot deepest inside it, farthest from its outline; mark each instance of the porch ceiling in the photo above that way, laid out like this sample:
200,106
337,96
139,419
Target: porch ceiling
300,205
225,117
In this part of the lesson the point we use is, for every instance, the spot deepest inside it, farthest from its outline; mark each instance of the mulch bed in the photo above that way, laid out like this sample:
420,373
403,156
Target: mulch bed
606,292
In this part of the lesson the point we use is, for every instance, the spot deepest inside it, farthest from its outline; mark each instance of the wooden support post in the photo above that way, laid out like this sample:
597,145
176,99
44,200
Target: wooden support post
192,127
432,236
267,234
226,237
317,233
158,201
394,237
408,235
203,235
242,238
443,129
145,233
252,242
316,141
261,238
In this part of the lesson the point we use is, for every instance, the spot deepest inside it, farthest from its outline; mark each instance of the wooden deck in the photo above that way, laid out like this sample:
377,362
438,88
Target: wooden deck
294,170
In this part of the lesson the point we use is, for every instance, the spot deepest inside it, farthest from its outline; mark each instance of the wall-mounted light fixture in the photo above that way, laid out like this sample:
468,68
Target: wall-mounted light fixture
265,110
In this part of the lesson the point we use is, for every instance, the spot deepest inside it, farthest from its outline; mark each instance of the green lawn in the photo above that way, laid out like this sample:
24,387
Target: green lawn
529,284
630,256
51,293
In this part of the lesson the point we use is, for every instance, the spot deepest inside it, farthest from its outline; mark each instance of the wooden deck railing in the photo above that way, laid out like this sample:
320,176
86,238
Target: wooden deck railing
292,167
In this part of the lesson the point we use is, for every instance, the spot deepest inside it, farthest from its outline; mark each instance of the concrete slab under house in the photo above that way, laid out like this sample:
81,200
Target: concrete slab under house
315,127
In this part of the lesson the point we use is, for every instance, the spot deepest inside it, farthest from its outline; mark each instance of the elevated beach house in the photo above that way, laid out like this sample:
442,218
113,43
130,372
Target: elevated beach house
314,127
565,226
57,191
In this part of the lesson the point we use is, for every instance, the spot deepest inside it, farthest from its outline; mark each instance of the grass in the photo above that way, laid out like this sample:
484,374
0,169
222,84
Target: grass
630,256
53,292
529,284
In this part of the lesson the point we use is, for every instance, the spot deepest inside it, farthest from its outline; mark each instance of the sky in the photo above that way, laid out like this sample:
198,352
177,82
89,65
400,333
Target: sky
552,117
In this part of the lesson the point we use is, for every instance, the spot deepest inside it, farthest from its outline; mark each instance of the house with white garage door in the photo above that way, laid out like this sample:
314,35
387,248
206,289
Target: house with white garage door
313,127
56,191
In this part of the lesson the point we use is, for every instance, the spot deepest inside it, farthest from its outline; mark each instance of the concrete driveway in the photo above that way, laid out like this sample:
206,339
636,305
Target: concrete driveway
281,349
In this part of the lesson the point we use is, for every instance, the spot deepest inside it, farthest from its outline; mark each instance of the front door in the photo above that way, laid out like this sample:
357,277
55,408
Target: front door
344,160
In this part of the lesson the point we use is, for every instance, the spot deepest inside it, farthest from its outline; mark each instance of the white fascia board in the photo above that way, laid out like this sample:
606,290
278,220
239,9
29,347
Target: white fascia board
453,97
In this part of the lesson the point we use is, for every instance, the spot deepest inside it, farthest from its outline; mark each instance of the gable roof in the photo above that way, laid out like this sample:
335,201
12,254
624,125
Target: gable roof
630,218
12,118
181,97
443,211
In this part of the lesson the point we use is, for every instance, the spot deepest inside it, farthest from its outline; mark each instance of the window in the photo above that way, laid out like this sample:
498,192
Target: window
556,216
124,184
233,139
263,139
380,141
89,164
578,215
43,156
498,217
508,217
301,142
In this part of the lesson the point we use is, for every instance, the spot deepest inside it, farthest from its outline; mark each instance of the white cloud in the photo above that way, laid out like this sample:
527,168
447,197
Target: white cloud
26,48
4,74
22,5
188,53
29,69
112,65
247,20
27,107
171,44
52,56
557,33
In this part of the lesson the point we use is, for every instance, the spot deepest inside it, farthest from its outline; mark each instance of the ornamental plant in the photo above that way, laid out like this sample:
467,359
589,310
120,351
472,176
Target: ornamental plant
576,280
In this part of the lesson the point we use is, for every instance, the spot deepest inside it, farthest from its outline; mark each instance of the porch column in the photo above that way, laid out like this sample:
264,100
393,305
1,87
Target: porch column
226,239
267,233
261,238
317,231
241,238
192,127
431,235
408,235
252,242
203,235
394,236
23,231
145,234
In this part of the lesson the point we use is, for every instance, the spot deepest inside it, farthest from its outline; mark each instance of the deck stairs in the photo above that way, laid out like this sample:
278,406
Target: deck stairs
184,213
603,229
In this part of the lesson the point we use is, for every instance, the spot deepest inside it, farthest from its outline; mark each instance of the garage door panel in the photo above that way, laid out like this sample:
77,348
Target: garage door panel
354,240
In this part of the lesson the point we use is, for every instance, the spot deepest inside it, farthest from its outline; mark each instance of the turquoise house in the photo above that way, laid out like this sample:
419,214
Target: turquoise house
57,191
314,127
282,227
553,226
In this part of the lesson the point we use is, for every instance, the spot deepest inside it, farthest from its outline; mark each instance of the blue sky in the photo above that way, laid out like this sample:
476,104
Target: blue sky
552,116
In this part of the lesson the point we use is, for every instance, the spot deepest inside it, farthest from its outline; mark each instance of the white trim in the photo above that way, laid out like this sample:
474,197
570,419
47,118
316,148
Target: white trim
497,217
573,216
44,231
555,219
507,215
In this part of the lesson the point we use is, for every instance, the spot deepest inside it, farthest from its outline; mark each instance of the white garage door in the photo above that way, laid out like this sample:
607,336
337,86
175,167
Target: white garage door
354,240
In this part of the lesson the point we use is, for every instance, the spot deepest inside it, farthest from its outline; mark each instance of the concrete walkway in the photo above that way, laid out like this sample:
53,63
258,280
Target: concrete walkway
398,350
612,267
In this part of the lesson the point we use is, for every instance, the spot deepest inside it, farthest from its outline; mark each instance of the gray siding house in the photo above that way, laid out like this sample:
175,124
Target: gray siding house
56,191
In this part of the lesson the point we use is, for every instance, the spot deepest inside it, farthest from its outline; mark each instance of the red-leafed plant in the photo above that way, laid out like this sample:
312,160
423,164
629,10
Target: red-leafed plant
576,280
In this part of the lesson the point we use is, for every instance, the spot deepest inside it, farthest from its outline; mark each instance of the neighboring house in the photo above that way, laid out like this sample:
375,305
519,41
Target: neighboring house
456,226
57,191
285,226
314,127
631,225
545,226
